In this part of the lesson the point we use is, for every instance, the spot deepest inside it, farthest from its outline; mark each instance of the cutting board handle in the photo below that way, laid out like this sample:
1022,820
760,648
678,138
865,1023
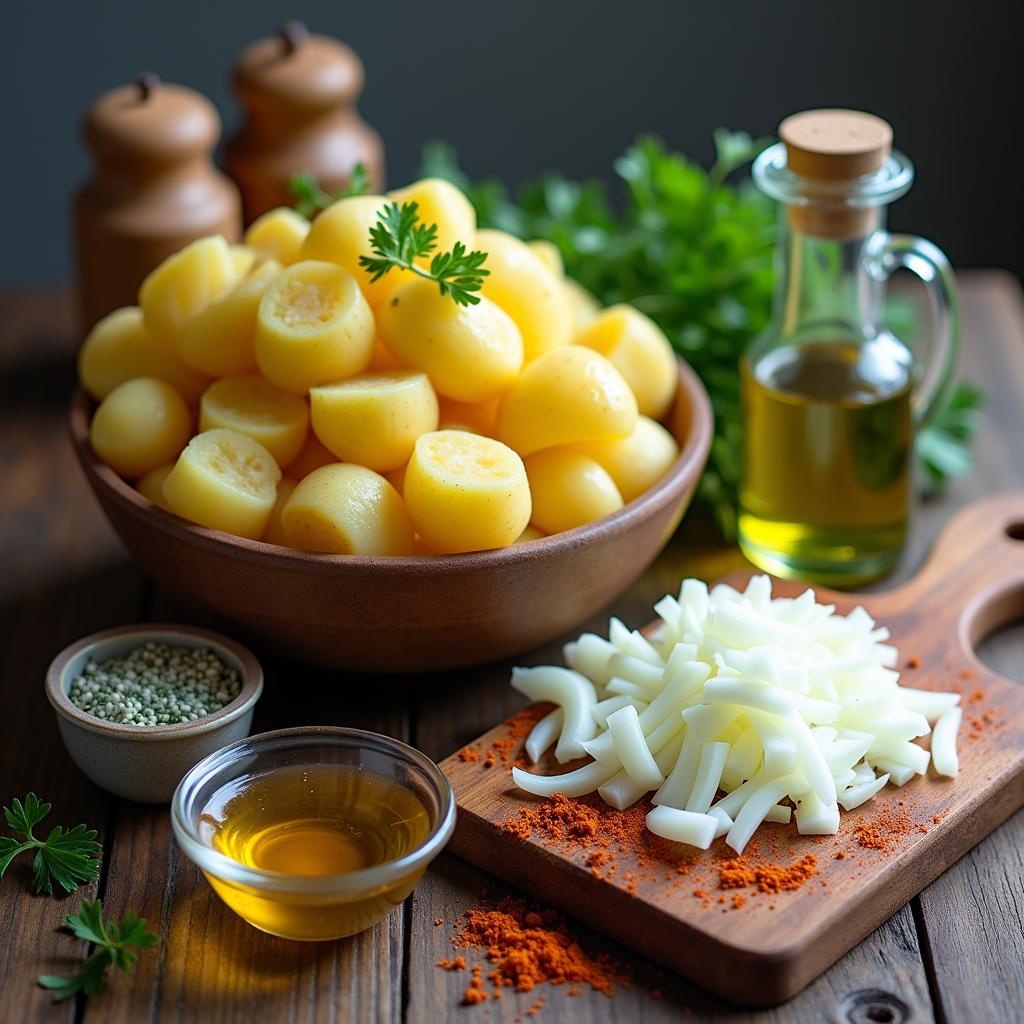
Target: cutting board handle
972,581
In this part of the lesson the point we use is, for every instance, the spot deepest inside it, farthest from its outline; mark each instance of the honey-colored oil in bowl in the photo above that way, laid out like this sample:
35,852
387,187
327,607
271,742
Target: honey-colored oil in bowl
827,438
314,822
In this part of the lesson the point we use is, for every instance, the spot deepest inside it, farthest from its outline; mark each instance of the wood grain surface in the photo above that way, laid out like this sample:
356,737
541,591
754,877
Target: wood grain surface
955,953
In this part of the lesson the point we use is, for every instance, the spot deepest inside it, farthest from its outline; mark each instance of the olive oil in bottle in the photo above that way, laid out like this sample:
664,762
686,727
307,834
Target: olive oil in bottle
313,822
830,396
826,486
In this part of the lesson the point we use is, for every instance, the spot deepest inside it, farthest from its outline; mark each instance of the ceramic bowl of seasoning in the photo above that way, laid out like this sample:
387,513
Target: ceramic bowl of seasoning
138,706
416,613
314,833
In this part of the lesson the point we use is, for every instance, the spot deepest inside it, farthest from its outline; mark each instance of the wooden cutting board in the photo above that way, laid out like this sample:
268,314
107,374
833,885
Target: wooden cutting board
769,946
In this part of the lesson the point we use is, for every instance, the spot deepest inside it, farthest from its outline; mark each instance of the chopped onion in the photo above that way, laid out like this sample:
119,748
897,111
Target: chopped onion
544,734
637,759
709,774
683,826
573,692
733,703
944,743
854,796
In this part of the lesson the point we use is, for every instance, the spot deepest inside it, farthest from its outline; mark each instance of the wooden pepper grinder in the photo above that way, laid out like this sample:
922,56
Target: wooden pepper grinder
299,92
154,189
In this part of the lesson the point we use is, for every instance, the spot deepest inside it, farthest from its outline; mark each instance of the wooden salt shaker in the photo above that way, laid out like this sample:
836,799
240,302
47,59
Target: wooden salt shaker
154,189
299,92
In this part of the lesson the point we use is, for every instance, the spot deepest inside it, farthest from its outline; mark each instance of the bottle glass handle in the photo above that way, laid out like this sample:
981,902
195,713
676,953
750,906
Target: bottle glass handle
926,261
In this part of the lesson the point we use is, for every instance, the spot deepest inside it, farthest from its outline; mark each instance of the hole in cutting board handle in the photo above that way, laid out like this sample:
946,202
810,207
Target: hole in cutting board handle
1015,531
996,630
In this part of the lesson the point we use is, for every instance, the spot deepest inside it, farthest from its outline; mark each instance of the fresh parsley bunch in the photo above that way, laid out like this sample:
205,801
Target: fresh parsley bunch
694,252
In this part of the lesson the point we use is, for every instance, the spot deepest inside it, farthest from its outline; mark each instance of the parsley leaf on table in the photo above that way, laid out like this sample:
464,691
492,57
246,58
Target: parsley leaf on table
112,942
68,857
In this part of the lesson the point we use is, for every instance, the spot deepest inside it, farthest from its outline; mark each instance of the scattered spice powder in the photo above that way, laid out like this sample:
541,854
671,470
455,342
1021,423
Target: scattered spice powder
475,992
469,754
527,945
438,921
456,964
885,829
739,873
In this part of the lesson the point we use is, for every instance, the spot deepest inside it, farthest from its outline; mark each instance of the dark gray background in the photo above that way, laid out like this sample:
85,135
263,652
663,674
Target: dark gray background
533,85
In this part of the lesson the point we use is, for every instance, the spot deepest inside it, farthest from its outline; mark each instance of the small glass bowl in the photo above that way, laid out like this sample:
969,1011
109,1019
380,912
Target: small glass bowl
313,908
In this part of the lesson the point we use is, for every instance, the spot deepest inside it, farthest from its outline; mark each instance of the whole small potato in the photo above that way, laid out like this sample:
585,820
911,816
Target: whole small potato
470,353
374,419
120,348
278,235
347,510
341,234
636,346
140,425
525,287
569,489
636,462
567,395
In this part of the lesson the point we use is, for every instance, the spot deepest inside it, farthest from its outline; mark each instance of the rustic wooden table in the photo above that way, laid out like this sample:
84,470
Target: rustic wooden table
955,953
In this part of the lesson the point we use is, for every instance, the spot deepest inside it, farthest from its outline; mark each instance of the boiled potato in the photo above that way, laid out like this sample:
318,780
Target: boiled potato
396,477
219,339
635,345
635,462
568,394
530,533
522,284
274,533
584,307
313,327
187,282
569,489
465,492
226,481
347,510
243,259
440,202
313,456
140,425
382,359
470,353
277,419
151,486
374,419
278,235
549,255
119,349
341,234
476,417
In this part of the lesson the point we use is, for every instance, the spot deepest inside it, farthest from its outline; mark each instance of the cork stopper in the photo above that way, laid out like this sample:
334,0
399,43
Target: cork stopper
151,121
835,146
296,70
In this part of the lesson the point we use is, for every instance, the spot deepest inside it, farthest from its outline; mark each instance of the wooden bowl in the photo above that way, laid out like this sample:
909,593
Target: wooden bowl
419,613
